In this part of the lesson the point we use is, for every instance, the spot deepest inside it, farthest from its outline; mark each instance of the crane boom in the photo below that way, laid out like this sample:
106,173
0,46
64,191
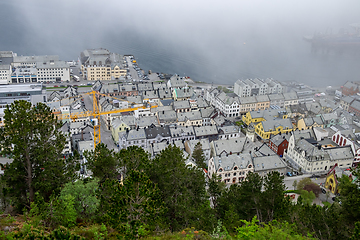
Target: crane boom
95,113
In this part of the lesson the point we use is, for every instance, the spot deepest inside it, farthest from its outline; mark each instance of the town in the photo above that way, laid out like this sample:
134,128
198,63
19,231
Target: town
257,125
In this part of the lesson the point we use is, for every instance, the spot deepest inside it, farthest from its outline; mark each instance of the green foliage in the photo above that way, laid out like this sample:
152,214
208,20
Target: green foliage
301,184
199,157
350,197
134,204
274,204
102,162
57,211
134,158
216,189
28,232
182,189
295,184
220,232
273,230
32,137
84,193
65,211
307,197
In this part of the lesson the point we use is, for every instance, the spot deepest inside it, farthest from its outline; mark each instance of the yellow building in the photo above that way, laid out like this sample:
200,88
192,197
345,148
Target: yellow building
263,115
118,126
100,64
309,123
332,177
265,129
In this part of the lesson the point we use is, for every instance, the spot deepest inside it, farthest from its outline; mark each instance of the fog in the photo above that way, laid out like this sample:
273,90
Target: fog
210,41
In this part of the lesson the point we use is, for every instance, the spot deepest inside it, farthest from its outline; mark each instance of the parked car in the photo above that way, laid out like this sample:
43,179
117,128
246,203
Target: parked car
289,174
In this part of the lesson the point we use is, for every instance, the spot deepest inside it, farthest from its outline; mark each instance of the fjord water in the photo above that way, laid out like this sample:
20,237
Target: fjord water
210,42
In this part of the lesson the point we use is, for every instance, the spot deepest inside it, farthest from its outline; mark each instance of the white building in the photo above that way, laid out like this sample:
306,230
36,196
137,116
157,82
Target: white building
254,87
312,157
228,104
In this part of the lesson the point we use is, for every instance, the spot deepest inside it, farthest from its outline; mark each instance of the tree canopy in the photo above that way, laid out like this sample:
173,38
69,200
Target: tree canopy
32,138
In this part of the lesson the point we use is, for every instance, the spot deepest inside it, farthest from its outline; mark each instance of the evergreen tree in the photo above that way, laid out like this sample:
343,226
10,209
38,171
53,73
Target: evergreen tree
199,157
133,158
102,162
182,187
275,205
134,204
32,138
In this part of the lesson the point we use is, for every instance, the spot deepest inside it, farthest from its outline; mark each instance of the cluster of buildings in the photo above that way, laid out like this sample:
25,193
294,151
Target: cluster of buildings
287,126
32,69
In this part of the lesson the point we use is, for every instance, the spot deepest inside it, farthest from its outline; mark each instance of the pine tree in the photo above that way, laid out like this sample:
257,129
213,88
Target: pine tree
32,138
199,157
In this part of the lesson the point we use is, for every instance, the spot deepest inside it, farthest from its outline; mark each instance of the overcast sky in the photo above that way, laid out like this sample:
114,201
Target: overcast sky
213,41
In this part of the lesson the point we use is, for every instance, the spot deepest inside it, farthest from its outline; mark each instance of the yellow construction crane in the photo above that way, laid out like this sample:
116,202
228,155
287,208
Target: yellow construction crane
96,114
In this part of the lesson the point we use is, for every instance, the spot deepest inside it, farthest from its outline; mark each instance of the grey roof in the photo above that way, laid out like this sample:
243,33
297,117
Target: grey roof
150,94
276,97
158,147
152,132
273,124
127,87
181,104
179,144
176,81
145,86
88,56
136,134
347,99
263,150
201,102
167,116
309,121
313,107
308,133
55,64
266,163
179,131
228,98
290,96
318,120
233,145
329,116
247,100
268,114
146,121
229,129
34,59
164,93
135,99
279,138
340,153
205,131
262,98
228,163
162,108
207,113
204,143
298,108
355,104
192,116
160,85
5,66
184,92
